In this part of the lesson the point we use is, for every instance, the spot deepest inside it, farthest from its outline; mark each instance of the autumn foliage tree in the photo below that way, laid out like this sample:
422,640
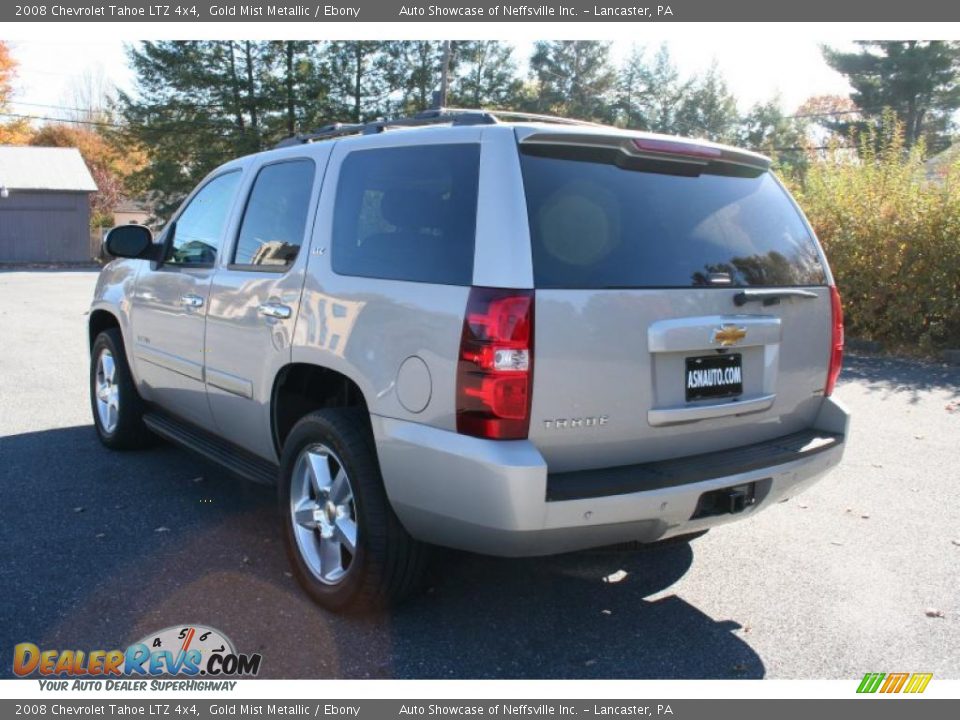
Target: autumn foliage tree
15,131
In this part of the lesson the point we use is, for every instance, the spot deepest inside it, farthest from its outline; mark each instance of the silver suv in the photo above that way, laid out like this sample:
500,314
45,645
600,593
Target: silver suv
509,334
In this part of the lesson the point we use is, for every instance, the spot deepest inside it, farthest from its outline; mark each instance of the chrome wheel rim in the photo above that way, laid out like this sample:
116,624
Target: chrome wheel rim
107,393
324,514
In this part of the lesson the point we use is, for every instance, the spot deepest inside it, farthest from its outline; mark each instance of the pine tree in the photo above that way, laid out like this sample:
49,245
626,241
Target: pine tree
652,93
708,109
918,80
575,79
766,129
299,88
359,75
414,72
485,76
632,87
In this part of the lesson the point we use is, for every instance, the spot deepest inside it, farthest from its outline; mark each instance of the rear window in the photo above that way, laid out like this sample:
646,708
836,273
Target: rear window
596,225
408,213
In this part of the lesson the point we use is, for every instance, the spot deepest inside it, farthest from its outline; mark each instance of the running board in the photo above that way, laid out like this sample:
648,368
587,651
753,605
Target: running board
235,459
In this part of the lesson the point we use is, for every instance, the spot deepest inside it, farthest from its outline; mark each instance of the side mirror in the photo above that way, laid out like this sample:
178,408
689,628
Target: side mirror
131,241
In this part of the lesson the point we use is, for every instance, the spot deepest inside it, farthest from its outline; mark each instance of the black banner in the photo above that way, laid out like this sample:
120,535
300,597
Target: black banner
193,11
348,709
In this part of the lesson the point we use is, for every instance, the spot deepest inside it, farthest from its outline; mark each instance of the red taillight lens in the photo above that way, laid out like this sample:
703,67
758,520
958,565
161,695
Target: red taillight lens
836,342
495,369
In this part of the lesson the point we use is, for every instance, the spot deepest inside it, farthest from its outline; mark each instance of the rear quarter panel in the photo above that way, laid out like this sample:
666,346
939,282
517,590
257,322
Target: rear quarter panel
365,328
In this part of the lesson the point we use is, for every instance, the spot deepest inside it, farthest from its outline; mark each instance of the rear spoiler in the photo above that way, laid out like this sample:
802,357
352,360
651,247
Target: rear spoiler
661,150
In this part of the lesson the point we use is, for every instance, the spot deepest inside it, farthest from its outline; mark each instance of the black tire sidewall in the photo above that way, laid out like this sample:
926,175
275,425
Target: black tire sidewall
129,432
343,433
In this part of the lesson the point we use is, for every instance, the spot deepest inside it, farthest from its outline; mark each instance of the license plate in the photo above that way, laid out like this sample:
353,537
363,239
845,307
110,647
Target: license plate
714,376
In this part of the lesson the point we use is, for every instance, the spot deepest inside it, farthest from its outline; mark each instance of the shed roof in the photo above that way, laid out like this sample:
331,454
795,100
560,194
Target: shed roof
44,168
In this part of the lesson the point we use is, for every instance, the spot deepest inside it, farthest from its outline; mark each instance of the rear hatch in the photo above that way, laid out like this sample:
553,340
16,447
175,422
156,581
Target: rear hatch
682,303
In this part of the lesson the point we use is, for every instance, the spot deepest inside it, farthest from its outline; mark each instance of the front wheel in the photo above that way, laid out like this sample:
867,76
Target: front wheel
116,404
346,546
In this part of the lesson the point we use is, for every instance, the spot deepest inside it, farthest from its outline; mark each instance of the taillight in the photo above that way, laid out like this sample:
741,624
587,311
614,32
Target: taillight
495,370
836,342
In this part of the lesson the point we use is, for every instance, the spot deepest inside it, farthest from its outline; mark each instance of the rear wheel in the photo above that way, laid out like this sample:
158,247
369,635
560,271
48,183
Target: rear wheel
346,546
116,404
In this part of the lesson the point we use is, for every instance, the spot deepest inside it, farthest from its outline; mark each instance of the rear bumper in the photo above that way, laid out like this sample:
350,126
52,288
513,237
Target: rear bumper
498,498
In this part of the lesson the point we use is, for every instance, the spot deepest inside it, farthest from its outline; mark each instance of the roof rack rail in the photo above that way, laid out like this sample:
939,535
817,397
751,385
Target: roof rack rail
529,117
323,133
433,116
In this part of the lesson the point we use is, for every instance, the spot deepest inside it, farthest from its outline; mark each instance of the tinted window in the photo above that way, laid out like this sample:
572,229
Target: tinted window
276,215
408,213
596,225
200,225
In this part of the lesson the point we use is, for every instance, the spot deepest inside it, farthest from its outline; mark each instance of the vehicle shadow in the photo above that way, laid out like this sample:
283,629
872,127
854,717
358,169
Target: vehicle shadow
100,549
899,375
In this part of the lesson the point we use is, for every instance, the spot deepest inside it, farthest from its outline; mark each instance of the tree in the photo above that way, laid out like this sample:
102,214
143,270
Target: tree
651,94
14,131
766,129
186,109
485,76
90,97
197,104
413,70
575,79
918,80
298,90
359,69
632,87
708,109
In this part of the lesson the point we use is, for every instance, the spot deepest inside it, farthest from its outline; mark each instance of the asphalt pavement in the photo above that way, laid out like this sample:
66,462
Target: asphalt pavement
98,549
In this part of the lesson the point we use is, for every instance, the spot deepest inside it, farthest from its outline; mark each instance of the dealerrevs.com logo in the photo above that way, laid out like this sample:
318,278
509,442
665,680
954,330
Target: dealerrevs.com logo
189,651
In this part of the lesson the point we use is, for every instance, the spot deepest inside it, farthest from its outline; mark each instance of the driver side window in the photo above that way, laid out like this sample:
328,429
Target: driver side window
201,224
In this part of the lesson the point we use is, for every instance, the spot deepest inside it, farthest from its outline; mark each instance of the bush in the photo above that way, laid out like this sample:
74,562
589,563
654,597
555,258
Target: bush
892,236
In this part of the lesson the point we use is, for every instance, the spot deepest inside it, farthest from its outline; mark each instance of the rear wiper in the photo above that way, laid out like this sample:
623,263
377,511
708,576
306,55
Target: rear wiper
770,297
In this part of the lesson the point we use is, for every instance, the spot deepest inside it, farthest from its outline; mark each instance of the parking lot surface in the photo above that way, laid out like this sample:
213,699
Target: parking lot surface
98,549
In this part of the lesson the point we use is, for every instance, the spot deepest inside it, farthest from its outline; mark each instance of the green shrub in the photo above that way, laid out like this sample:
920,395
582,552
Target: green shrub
892,237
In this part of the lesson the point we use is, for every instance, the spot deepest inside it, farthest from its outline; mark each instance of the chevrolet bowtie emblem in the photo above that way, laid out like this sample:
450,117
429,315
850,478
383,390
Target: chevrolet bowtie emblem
727,335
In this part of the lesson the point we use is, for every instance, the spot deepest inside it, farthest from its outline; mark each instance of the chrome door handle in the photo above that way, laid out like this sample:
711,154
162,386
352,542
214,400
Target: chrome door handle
275,310
193,301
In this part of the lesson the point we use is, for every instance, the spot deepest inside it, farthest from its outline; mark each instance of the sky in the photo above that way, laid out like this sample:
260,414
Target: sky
755,71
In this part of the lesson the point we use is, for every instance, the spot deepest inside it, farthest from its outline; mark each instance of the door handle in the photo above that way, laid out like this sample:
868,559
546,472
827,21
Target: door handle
191,301
275,310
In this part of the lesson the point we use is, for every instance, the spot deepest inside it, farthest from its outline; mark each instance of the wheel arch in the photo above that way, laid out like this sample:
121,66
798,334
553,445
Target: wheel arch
99,321
301,388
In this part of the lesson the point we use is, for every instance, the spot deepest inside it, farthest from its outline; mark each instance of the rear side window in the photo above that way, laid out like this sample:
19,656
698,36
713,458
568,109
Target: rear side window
407,213
276,215
596,225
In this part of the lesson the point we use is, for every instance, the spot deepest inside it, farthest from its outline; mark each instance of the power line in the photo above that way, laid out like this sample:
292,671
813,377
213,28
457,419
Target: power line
101,123
105,123
56,107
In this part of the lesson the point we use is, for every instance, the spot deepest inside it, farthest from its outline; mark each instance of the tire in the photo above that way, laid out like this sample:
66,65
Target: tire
116,405
320,512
